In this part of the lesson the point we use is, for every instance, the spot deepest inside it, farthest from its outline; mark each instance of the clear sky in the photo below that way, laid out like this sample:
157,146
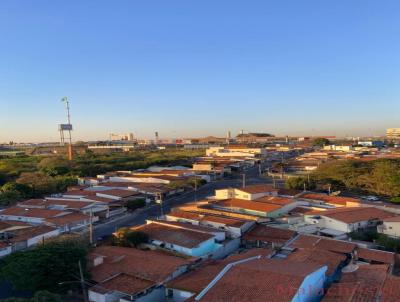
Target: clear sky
190,68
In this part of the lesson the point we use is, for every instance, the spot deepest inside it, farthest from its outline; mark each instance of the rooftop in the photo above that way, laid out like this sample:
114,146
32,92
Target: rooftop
255,189
268,234
36,213
355,214
339,200
248,205
181,237
150,265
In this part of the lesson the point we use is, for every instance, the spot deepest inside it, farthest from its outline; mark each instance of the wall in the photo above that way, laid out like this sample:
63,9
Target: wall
5,251
97,297
180,295
312,287
39,239
390,228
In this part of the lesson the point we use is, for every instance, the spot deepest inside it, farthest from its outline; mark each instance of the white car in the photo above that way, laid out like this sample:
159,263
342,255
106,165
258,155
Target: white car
371,198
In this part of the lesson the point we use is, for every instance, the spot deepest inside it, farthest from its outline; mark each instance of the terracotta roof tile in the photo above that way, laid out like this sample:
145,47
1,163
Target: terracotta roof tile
150,265
268,234
173,235
254,189
123,283
248,205
357,214
376,255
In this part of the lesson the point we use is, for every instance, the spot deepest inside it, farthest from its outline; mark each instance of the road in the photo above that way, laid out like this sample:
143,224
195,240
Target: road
139,216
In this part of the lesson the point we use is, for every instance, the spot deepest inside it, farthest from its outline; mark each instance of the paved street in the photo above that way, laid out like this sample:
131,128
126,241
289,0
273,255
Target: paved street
139,217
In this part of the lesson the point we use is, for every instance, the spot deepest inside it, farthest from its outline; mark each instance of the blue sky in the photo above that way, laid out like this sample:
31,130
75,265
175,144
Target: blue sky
191,68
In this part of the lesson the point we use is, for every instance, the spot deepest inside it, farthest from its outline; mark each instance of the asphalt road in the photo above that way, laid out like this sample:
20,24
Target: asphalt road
139,216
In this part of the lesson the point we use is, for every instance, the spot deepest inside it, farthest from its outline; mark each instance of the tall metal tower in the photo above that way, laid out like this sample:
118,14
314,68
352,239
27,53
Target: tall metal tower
66,127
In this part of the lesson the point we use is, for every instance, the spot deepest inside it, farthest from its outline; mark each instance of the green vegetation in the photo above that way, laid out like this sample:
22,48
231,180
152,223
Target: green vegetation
25,177
129,238
132,205
45,266
320,142
381,177
40,296
381,240
299,183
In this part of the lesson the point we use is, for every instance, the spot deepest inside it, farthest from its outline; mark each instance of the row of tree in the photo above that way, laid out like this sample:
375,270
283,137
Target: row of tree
381,177
31,177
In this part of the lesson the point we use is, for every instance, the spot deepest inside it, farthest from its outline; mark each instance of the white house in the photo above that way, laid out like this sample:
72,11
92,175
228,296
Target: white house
347,220
390,227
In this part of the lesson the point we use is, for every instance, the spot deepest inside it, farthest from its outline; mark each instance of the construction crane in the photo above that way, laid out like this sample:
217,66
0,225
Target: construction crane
66,127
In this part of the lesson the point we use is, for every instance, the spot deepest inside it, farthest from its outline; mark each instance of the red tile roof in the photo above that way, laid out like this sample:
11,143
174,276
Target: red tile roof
123,283
150,265
268,234
376,255
173,235
391,290
276,280
118,193
255,189
318,256
28,233
31,212
68,219
338,246
339,200
248,205
282,201
353,215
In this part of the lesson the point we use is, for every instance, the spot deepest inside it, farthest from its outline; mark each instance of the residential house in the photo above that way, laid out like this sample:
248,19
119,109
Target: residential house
128,274
183,240
347,219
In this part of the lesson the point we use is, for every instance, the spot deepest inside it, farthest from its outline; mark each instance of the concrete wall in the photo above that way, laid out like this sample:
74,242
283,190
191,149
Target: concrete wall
391,229
40,238
180,295
312,287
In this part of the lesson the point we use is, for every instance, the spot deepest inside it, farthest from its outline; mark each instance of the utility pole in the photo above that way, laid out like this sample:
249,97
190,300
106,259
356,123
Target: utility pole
195,189
259,169
161,204
273,180
304,185
244,180
91,227
82,282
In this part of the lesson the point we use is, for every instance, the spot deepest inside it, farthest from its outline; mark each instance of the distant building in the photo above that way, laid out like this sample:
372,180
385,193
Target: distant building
122,137
393,133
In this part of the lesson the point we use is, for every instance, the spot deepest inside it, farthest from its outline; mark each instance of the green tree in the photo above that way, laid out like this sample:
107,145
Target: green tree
320,142
129,238
39,183
45,266
54,166
299,183
46,296
135,204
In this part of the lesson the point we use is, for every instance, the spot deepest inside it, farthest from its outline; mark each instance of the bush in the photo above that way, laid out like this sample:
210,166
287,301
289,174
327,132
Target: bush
129,238
395,199
135,204
299,183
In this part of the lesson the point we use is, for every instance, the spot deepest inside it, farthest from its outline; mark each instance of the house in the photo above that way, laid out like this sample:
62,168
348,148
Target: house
128,274
183,240
234,227
248,207
70,222
365,283
256,278
347,219
335,201
390,227
16,239
337,246
236,151
247,193
266,236
333,261
30,215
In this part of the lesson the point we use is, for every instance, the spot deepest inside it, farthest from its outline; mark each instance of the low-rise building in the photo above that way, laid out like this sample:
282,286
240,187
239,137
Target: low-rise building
390,226
347,220
182,239
128,274
248,193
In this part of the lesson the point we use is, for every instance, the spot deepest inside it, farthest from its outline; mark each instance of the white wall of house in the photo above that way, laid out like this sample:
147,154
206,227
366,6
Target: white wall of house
139,179
391,229
107,297
312,287
33,220
4,251
40,238
180,295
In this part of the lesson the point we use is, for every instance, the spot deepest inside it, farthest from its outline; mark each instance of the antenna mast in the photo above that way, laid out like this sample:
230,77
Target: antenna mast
68,127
